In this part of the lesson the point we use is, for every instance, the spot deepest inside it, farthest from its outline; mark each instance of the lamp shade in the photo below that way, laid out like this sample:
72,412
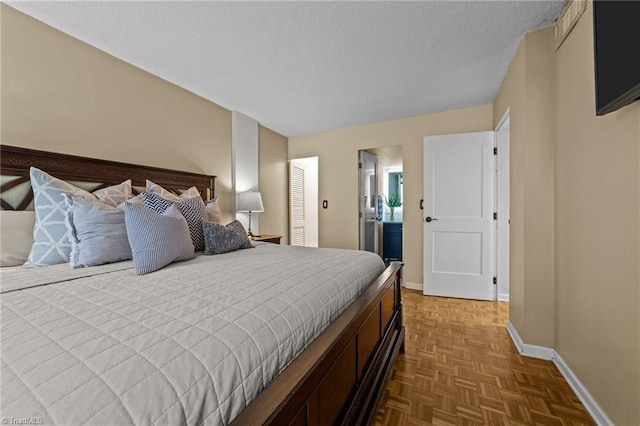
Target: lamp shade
250,202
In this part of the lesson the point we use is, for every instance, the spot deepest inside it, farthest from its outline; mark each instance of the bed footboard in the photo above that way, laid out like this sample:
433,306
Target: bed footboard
339,378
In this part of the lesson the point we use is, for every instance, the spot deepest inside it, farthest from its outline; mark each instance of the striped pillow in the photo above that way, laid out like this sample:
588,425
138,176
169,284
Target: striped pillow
157,240
191,208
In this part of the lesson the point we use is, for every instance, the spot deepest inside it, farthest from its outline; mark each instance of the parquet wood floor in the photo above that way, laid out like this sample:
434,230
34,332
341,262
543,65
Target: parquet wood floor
460,367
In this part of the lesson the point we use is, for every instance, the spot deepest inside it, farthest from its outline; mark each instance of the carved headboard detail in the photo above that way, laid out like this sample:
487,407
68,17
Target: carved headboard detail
15,163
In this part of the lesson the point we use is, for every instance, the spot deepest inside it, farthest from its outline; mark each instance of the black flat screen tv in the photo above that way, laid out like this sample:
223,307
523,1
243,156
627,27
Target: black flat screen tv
616,36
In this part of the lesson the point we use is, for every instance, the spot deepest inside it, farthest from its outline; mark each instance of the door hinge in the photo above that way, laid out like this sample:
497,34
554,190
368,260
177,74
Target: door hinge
495,280
495,150
495,215
359,165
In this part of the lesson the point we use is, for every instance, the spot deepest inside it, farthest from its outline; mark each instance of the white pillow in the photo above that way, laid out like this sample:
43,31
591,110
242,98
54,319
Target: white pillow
212,208
16,236
154,188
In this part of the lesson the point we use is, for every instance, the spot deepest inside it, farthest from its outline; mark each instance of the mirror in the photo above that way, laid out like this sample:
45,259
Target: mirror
395,184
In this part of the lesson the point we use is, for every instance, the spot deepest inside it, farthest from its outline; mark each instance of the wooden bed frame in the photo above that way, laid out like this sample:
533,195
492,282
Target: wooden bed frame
338,379
15,161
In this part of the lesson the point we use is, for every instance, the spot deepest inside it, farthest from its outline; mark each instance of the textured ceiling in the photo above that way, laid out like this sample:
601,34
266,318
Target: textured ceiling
304,67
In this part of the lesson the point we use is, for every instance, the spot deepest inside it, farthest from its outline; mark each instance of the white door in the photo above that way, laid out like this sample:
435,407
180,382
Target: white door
303,201
368,202
296,204
458,215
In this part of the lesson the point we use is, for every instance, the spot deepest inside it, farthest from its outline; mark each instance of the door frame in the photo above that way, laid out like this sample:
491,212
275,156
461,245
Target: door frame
502,206
361,219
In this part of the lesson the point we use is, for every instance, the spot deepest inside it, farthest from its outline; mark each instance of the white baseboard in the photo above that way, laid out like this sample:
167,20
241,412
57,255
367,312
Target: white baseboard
525,349
412,286
589,402
541,352
503,297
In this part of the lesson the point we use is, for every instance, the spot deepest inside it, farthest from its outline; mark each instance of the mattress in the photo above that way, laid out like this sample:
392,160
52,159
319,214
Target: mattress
193,343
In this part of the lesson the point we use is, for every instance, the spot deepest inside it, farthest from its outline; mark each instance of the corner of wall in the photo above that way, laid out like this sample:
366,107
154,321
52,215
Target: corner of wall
273,175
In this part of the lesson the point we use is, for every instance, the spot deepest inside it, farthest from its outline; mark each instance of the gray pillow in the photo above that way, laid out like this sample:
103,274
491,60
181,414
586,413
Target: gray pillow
96,231
222,239
50,242
192,209
157,240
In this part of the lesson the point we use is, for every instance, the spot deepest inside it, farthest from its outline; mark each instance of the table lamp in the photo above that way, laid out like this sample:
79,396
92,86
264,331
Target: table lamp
250,202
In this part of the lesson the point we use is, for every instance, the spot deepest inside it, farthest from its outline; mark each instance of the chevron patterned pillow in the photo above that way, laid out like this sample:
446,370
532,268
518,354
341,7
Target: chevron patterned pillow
191,208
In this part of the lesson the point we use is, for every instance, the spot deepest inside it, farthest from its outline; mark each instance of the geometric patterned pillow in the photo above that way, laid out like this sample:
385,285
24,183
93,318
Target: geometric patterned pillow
51,244
192,209
223,239
154,188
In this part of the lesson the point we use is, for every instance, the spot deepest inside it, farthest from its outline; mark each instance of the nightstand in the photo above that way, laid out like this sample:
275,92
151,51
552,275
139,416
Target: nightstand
267,238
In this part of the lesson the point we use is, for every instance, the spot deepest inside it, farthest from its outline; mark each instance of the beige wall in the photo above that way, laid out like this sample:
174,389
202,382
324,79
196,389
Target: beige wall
575,217
511,96
527,91
274,183
62,95
338,174
597,233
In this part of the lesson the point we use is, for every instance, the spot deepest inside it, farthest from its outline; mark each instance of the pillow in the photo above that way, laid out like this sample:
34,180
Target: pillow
96,231
191,208
154,188
222,239
16,236
213,211
157,240
51,244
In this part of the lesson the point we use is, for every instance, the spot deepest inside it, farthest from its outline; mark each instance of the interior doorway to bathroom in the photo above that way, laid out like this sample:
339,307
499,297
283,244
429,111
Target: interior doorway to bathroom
389,201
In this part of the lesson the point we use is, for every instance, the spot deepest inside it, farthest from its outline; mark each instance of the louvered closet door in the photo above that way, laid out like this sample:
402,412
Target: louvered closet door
296,191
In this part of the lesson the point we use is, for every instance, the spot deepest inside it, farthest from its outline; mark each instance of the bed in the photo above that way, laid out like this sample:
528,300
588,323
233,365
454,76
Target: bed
268,335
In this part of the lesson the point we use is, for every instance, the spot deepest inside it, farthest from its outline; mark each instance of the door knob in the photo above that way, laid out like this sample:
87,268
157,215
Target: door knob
429,219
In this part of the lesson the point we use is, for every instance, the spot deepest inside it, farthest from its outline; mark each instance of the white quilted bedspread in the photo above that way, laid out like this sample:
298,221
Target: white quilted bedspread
193,343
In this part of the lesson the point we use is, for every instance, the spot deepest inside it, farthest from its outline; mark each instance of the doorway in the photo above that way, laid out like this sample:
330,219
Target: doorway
390,201
303,201
368,200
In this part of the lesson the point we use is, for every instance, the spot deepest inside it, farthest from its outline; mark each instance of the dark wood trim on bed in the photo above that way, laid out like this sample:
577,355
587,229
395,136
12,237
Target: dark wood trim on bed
339,378
16,161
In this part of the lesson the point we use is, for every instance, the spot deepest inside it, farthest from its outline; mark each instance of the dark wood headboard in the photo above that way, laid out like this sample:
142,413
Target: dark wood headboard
15,161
